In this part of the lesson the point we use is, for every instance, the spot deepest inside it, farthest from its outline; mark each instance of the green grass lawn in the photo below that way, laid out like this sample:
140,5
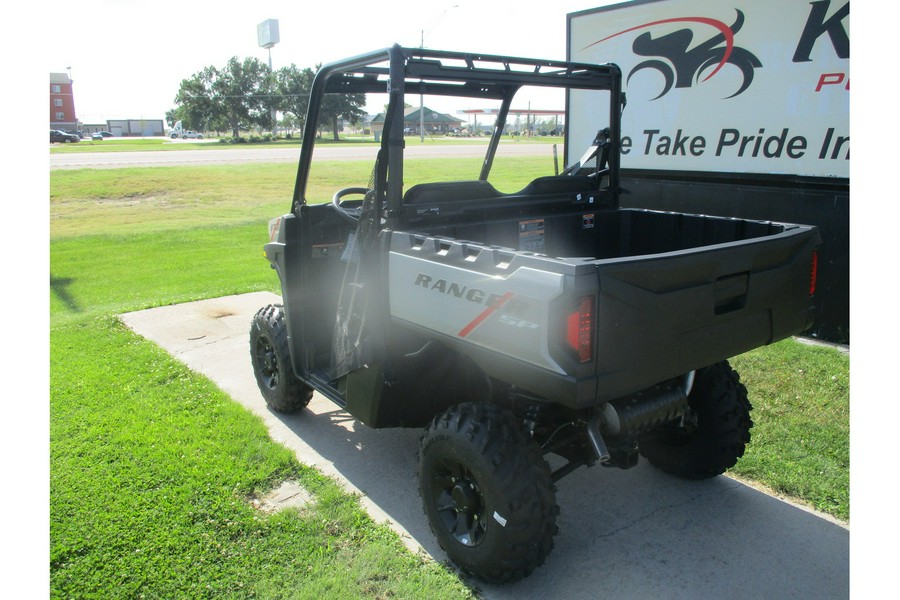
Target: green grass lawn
152,470
142,200
801,410
152,467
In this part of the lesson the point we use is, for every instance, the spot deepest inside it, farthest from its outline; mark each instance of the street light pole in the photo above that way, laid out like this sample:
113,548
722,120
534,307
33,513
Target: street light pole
268,35
421,95
274,110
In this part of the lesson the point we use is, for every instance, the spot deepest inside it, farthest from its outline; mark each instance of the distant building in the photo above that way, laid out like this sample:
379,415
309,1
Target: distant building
434,122
136,127
62,103
128,127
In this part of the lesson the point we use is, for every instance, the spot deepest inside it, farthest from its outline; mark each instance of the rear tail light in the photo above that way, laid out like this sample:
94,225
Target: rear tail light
813,272
580,329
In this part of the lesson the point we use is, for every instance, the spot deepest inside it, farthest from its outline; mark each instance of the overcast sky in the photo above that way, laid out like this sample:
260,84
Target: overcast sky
128,57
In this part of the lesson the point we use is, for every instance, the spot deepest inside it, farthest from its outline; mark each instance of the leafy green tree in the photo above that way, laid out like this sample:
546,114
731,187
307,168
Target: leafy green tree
245,93
292,86
196,106
338,107
240,90
239,95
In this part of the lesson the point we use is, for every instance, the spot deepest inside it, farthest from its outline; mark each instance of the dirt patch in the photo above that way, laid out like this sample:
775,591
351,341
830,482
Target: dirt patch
289,494
136,199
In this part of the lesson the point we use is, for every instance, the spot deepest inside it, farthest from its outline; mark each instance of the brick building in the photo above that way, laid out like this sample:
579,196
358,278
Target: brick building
62,103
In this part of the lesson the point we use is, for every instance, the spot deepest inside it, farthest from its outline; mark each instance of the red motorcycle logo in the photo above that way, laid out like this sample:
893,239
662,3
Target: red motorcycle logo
682,67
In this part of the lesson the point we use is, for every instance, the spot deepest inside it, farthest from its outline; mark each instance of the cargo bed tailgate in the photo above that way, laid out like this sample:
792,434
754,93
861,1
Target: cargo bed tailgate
659,316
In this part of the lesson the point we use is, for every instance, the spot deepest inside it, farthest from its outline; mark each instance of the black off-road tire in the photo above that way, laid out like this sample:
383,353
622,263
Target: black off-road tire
271,360
714,433
487,492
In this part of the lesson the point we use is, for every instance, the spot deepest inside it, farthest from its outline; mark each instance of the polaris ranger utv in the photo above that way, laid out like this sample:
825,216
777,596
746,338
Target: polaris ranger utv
513,325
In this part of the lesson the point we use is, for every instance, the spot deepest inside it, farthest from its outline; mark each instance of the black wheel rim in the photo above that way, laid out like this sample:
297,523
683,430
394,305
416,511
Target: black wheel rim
459,503
266,362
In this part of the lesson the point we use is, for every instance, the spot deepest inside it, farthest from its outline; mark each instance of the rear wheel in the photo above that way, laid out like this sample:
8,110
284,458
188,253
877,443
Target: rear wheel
487,492
714,432
271,359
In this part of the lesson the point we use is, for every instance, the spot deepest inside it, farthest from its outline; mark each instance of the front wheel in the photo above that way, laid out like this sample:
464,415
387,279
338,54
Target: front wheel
713,433
271,359
487,492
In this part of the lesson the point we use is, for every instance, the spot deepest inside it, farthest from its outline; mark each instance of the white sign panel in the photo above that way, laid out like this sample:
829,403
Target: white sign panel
734,86
267,33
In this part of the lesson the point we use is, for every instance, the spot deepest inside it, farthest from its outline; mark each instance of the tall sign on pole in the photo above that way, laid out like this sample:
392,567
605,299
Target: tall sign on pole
267,36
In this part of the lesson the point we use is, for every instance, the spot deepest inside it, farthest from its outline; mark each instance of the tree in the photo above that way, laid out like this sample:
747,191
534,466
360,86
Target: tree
291,122
246,92
241,91
239,95
196,107
337,107
293,86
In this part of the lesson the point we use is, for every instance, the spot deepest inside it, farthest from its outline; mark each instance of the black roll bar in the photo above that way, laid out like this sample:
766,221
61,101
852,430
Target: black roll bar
446,73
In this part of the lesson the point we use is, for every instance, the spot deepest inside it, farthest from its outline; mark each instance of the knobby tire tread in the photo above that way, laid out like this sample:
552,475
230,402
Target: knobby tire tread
520,487
291,394
723,410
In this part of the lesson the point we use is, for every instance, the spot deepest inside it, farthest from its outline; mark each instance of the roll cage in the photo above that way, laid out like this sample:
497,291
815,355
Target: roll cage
398,70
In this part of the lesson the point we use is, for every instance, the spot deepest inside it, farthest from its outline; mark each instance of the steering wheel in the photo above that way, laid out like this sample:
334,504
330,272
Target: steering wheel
352,209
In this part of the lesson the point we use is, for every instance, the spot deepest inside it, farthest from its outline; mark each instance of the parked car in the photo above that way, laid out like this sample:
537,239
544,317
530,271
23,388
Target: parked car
61,136
99,135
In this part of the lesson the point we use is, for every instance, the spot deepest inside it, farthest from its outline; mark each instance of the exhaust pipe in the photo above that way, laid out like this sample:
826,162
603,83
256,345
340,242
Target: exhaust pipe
645,411
596,439
636,415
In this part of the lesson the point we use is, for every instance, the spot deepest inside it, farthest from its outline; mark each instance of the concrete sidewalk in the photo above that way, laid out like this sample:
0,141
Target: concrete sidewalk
622,534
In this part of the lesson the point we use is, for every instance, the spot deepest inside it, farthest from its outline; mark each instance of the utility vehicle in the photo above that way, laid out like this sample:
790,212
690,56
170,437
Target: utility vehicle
516,321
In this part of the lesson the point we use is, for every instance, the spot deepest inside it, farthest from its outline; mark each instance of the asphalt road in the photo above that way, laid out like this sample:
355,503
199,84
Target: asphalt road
289,154
622,534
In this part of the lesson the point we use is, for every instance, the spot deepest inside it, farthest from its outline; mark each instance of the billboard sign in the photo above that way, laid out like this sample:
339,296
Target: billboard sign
267,33
734,86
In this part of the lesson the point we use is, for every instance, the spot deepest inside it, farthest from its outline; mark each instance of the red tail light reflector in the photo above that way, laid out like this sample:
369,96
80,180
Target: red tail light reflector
813,272
580,328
